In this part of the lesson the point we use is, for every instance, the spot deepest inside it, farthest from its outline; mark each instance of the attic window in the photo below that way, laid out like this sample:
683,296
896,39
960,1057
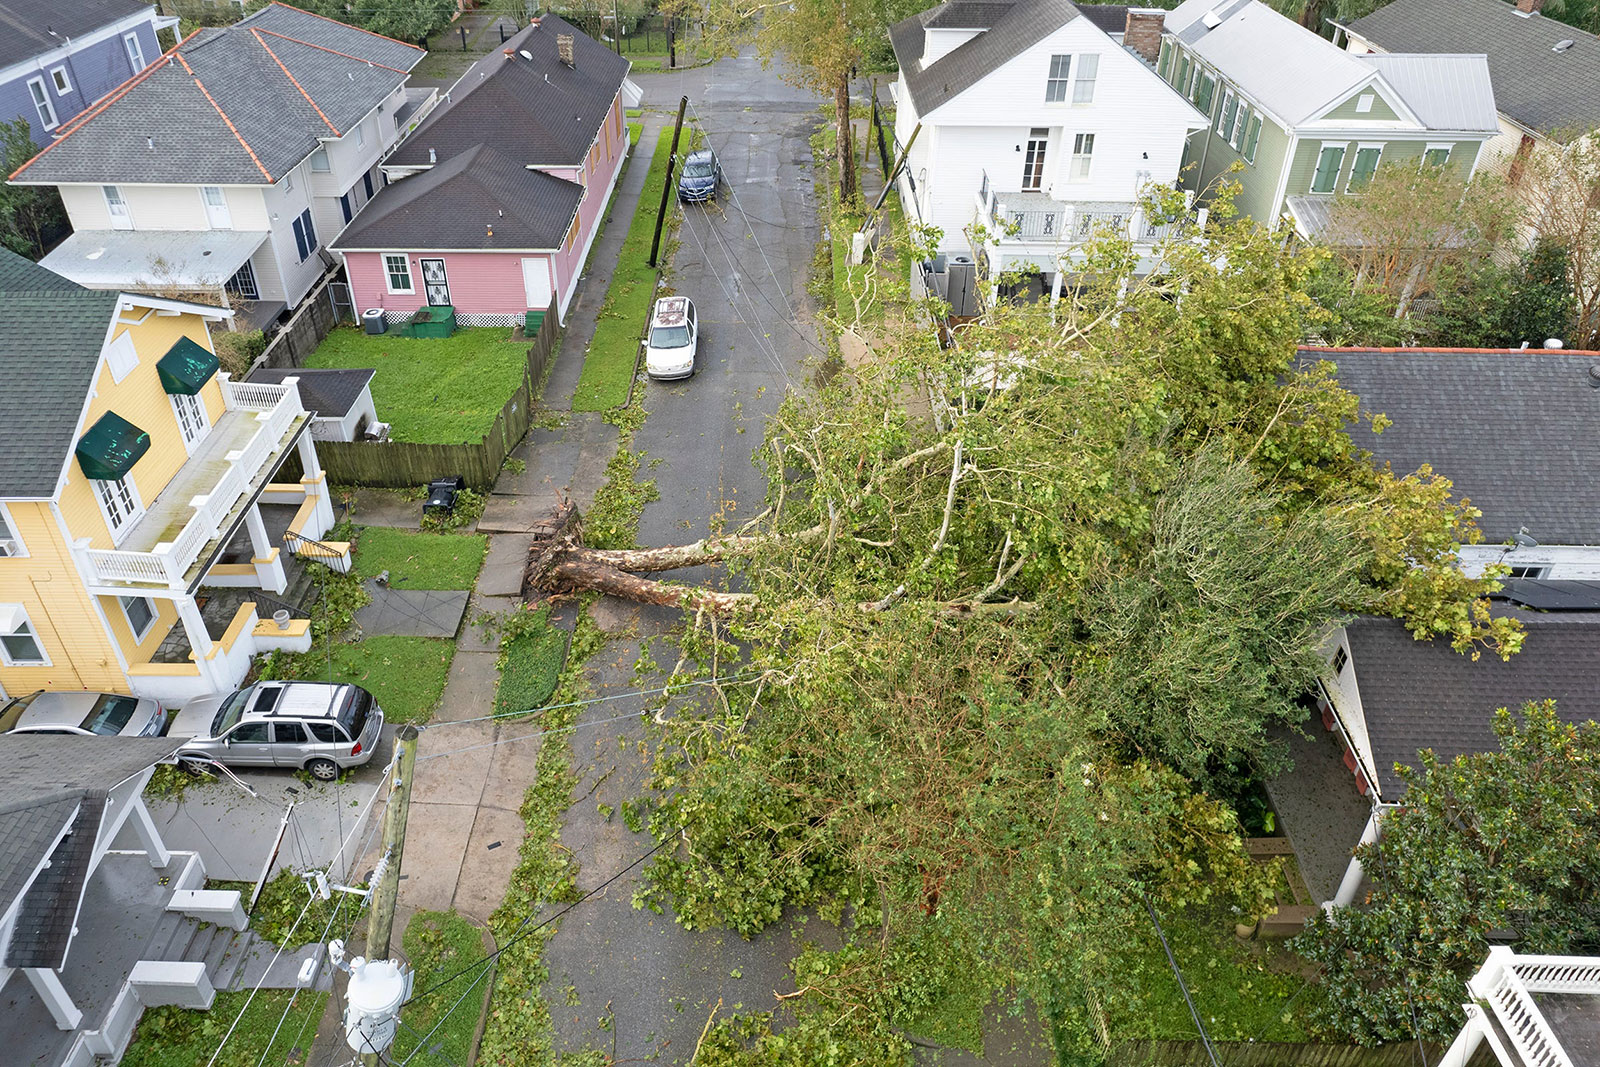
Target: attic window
1340,658
1562,46
1363,103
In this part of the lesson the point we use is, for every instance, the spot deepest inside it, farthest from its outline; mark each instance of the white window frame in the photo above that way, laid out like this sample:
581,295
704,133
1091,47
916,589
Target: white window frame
1091,61
1080,156
135,50
1364,103
320,156
196,411
11,546
155,614
121,356
119,530
42,104
1447,147
1241,119
388,281
1363,146
126,217
1229,99
61,80
38,643
361,134
1064,82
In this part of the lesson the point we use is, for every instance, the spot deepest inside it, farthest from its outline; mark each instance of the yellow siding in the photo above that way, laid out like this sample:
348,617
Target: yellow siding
63,615
139,651
140,399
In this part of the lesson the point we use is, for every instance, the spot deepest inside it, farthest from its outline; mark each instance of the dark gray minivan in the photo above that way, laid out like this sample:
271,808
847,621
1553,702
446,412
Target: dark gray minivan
314,726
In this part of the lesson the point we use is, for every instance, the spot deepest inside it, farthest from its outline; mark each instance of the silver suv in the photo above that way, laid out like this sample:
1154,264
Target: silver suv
314,726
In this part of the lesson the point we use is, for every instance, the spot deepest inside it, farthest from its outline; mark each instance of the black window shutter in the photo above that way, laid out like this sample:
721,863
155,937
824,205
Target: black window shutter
366,180
311,231
344,205
300,238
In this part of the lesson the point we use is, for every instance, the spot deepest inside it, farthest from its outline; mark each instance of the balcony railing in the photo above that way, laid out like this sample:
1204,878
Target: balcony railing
1033,217
257,418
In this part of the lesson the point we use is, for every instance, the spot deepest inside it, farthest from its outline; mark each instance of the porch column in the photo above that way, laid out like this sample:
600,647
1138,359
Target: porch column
315,483
1346,894
1055,285
194,627
145,828
48,985
1467,1041
264,555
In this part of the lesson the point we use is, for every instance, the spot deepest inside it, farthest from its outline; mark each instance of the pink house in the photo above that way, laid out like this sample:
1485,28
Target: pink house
490,206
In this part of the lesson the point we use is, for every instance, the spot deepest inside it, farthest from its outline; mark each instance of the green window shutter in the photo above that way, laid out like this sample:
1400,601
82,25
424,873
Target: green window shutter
1436,157
1165,59
1205,92
1181,82
1328,164
1252,137
1230,108
109,449
186,368
1366,166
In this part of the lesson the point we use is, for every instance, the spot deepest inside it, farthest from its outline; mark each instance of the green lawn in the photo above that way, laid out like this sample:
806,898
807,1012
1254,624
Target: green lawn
434,391
179,1037
405,674
614,353
530,668
417,560
438,944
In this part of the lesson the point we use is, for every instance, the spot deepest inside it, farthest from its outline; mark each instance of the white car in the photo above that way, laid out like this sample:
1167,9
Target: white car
106,714
673,339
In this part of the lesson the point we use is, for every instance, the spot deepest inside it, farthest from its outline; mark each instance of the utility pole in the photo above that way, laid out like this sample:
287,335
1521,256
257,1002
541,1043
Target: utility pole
616,25
666,189
672,45
386,889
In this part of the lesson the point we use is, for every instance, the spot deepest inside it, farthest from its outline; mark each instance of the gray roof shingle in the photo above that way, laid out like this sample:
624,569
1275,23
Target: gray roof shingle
50,345
1112,18
1422,694
1019,26
43,929
25,25
240,105
1554,93
28,830
1514,431
457,204
533,108
328,392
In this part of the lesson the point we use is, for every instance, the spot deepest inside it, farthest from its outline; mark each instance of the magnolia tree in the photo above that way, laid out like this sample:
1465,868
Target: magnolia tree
1010,608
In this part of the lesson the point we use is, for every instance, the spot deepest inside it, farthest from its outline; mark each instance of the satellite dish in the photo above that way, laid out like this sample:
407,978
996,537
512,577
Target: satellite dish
525,54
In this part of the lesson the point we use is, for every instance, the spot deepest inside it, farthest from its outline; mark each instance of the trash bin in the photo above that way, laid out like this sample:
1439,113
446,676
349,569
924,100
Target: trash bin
373,320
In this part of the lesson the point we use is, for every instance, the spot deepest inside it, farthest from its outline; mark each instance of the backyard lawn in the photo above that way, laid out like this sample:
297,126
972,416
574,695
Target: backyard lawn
419,560
613,354
433,390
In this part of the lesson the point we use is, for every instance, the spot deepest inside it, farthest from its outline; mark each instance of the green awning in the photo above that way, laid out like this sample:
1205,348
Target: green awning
186,367
111,447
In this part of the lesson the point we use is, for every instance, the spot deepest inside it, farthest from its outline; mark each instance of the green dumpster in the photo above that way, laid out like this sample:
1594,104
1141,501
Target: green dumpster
435,321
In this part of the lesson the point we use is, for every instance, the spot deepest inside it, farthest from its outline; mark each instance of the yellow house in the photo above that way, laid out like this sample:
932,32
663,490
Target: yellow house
129,462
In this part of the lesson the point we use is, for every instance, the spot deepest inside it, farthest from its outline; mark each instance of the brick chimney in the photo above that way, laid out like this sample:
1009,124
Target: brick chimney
1143,31
564,49
1529,7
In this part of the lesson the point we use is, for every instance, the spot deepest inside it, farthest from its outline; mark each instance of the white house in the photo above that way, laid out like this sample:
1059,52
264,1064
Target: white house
1036,122
229,164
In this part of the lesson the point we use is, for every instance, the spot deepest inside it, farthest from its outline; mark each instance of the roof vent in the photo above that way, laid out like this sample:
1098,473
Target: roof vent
433,156
1211,19
1553,342
564,49
525,54
1594,375
1562,46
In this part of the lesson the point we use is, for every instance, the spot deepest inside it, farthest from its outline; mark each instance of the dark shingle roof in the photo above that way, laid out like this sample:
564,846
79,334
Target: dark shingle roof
25,25
1554,93
456,204
1516,432
328,392
43,765
240,105
50,345
1112,18
44,921
19,274
28,829
1021,25
537,111
1422,694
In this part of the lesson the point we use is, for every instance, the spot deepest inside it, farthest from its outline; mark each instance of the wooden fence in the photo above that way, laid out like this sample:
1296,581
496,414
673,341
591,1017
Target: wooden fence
1272,1054
312,321
402,464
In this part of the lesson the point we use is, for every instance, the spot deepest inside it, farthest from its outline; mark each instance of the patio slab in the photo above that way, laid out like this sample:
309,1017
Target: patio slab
411,612
505,565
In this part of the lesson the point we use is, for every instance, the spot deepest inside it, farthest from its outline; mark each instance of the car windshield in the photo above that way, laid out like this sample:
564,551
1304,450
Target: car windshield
698,169
110,714
232,709
14,711
669,337
353,716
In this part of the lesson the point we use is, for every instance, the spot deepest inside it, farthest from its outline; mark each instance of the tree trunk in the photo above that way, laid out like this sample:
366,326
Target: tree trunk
847,159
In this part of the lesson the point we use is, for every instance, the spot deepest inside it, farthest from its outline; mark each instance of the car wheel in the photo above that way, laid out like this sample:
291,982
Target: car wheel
194,767
324,770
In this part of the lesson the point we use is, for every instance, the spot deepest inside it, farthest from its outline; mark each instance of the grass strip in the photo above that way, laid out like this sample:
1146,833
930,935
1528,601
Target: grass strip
530,665
445,390
613,353
438,944
420,560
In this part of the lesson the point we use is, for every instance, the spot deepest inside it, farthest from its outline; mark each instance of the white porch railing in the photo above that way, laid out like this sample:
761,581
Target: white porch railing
274,407
1032,217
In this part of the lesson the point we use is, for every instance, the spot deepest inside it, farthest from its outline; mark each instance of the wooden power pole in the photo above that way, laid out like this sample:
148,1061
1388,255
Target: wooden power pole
666,189
386,891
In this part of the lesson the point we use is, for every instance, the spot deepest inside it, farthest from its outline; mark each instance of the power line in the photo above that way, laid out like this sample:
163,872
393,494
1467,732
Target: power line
1183,987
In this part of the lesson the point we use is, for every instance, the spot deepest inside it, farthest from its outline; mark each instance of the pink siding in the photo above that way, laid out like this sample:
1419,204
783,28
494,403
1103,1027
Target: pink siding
491,282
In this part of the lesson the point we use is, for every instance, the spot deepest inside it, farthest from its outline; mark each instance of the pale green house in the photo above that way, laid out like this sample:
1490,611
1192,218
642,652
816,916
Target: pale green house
1310,120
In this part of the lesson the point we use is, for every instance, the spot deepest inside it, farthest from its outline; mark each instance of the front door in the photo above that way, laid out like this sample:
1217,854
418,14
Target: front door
536,283
435,283
1033,161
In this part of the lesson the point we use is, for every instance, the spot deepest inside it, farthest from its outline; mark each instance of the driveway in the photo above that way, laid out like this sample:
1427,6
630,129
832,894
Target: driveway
234,832
642,984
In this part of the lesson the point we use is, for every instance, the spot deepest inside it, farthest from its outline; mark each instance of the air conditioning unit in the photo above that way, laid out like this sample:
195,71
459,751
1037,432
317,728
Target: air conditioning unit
962,289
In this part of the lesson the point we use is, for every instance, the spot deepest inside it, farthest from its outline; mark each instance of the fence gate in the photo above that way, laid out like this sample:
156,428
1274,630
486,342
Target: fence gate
339,298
